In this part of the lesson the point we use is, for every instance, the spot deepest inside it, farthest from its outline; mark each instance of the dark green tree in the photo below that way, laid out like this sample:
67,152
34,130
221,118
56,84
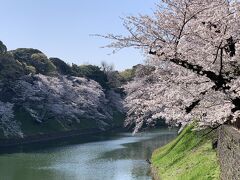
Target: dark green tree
3,48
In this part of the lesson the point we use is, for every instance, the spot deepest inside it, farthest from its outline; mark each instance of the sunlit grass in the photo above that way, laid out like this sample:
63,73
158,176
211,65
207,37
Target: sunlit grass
189,157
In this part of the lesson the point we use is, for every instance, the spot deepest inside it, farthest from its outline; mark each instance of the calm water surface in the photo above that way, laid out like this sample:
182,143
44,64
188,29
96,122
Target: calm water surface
110,157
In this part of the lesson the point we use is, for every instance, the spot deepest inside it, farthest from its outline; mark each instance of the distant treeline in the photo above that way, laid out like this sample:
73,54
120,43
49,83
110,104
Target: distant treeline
23,61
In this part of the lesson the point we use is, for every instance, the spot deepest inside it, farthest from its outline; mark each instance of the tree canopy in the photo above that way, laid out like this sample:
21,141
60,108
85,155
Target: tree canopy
90,71
194,45
34,59
3,48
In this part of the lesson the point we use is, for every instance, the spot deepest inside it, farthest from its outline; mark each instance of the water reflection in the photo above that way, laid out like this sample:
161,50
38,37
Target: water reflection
139,150
120,157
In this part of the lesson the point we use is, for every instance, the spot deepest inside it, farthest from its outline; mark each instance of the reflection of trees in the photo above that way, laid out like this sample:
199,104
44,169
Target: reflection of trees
139,150
25,166
80,161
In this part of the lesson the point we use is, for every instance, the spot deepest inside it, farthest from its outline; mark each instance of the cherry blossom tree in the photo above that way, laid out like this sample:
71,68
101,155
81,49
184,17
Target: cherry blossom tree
194,47
8,124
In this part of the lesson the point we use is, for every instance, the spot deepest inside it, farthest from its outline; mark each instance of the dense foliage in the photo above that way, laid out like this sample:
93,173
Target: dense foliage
34,59
40,95
91,72
42,104
194,45
10,68
61,66
3,48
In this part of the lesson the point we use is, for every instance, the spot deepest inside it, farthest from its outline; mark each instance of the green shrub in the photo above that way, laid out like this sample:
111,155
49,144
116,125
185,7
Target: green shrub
34,58
42,64
10,68
91,72
61,66
3,48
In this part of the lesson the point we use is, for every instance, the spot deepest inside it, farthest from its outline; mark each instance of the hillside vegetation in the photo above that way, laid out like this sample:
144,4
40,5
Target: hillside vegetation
190,156
41,95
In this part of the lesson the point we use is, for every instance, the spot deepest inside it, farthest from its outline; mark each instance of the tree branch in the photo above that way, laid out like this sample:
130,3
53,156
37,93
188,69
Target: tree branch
221,61
219,81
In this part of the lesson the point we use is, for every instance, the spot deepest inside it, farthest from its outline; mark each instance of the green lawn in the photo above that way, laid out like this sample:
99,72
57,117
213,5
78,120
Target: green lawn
189,157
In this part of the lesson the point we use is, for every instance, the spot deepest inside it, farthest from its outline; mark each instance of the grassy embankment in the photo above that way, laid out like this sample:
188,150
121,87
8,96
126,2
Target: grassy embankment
189,157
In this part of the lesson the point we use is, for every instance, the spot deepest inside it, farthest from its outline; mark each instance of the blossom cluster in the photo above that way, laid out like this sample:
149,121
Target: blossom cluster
194,46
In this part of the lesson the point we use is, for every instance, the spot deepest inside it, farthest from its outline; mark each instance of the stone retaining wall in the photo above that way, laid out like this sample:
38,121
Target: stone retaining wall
229,152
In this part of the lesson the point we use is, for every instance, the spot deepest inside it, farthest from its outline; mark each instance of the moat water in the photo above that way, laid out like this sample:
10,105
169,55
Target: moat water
119,156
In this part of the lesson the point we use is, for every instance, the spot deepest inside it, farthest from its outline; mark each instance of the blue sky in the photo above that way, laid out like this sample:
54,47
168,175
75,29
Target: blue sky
61,28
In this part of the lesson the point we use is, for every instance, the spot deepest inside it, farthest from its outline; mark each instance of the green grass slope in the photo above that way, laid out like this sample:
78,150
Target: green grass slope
189,157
